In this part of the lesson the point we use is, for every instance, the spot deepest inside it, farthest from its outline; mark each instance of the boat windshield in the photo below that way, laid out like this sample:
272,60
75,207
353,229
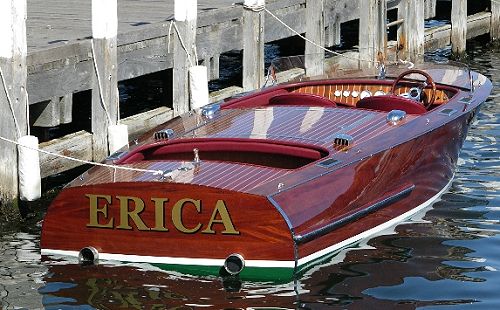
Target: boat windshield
445,72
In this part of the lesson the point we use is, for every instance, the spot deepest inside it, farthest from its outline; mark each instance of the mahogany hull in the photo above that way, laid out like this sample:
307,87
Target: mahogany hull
273,189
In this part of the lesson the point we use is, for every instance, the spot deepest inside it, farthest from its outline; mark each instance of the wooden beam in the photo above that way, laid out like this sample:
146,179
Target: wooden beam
77,145
253,47
184,52
495,20
458,26
315,32
477,24
13,101
372,32
140,123
411,36
105,88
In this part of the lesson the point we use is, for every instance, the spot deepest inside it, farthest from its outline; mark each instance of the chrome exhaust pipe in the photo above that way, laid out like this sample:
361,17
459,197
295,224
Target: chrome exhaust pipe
88,256
234,264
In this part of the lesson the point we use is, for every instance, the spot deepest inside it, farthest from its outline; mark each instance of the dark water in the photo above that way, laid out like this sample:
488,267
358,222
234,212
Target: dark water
446,257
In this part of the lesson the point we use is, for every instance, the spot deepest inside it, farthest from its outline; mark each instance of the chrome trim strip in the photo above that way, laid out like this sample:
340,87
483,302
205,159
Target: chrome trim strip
300,239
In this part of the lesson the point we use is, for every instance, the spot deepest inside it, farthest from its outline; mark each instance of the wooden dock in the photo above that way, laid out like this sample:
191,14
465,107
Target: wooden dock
60,57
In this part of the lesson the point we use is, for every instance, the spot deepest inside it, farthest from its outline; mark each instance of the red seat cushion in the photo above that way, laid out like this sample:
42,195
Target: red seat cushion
301,99
391,102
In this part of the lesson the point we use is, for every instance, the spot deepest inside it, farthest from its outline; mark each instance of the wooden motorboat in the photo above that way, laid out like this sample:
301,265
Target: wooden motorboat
266,184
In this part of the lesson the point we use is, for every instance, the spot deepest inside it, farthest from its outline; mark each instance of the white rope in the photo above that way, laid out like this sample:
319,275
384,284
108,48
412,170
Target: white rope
10,103
181,40
407,62
314,43
118,121
169,34
326,49
27,111
155,172
99,84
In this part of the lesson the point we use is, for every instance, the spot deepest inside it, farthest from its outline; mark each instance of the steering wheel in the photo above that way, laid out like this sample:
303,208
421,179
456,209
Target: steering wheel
429,83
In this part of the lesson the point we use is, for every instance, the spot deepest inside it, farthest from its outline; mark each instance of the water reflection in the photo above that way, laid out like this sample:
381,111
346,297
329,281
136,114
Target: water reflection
130,287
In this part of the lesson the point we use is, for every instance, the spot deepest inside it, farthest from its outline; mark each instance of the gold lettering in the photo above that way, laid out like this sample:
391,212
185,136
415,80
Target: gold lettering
134,215
95,210
221,210
159,214
177,215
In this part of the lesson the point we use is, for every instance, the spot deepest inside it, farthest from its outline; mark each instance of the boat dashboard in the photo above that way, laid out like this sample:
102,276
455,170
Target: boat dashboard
414,96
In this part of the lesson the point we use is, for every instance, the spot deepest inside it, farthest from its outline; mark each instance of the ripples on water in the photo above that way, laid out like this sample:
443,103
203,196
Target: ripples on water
450,256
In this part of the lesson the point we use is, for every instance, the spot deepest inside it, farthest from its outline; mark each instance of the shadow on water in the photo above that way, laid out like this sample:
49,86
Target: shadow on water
447,257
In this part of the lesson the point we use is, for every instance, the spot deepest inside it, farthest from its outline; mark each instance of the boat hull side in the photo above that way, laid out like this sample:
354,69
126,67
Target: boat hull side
364,197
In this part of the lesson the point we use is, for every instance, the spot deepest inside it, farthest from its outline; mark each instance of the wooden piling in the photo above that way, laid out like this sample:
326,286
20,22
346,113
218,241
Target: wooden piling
315,31
411,36
184,52
372,32
53,112
104,90
212,64
495,20
253,45
333,32
430,9
13,120
214,67
458,26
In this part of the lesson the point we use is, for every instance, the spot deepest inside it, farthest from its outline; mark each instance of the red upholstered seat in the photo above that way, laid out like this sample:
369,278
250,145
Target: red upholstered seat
391,102
301,99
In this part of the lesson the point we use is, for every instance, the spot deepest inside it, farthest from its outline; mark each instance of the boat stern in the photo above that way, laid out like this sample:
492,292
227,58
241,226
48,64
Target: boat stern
191,228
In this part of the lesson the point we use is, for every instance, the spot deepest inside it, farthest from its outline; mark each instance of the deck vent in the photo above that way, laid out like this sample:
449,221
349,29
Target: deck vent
164,134
330,162
342,140
448,112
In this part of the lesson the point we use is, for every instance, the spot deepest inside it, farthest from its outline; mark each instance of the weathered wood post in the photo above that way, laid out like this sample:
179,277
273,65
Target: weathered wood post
104,88
430,8
13,120
315,31
212,64
54,112
184,52
458,26
495,20
332,31
411,36
253,44
372,32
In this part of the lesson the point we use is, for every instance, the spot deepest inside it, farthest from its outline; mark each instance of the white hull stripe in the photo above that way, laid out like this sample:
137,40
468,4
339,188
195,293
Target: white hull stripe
254,263
373,230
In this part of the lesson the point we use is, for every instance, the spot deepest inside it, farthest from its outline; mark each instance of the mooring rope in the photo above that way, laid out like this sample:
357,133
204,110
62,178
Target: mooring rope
173,24
155,172
9,100
378,63
27,111
99,84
